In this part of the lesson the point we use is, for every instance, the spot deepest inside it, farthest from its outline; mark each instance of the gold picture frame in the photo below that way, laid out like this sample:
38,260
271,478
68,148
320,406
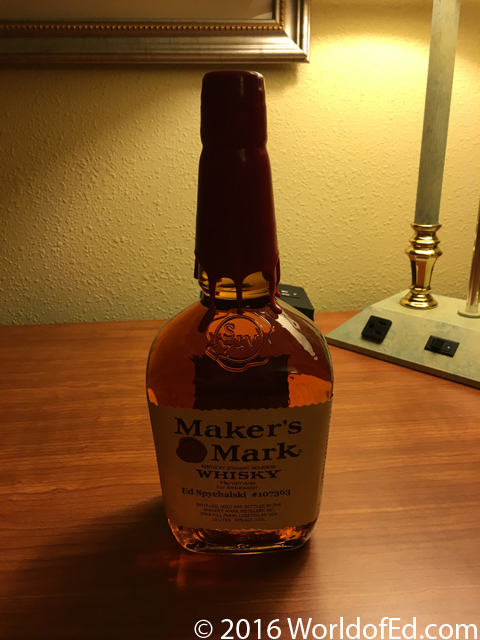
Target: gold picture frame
283,37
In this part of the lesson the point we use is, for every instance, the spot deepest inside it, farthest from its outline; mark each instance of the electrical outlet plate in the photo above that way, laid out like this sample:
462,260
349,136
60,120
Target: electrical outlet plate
409,333
376,329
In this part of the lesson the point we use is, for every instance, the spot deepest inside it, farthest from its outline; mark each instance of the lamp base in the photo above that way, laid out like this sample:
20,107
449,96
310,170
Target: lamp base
410,330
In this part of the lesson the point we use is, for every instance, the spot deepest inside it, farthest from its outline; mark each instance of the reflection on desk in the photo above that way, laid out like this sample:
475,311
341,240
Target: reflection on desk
85,551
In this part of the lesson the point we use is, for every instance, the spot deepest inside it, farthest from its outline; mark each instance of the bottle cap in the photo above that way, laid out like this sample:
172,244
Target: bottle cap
233,109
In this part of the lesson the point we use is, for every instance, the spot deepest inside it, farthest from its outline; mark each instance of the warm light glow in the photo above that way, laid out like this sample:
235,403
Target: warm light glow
99,172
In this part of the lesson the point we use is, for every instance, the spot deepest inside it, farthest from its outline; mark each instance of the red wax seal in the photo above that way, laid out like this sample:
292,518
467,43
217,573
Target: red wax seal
191,450
236,231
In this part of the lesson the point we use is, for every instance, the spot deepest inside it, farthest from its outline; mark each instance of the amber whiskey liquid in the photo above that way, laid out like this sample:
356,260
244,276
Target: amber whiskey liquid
181,374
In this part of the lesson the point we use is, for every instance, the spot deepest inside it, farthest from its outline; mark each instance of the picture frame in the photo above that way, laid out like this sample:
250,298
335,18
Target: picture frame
282,35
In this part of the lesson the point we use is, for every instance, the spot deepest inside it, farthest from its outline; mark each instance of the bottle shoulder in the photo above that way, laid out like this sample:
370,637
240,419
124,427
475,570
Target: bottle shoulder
290,330
249,353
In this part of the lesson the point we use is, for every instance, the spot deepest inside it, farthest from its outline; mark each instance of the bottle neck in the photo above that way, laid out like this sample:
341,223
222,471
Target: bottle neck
254,286
236,251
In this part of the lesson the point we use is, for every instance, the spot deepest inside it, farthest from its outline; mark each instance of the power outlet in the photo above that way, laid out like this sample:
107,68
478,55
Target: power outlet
376,329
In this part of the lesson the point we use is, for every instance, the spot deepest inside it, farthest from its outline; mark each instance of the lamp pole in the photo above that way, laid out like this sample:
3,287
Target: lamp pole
423,250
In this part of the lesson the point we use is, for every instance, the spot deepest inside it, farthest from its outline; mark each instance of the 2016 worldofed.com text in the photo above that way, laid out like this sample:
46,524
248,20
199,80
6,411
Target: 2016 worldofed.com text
310,629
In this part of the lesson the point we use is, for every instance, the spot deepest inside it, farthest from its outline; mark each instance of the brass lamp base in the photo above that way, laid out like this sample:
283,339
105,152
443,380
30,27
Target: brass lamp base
423,253
419,299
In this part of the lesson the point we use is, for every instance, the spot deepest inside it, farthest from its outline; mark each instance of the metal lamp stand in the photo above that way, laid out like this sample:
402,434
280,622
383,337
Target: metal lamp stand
439,336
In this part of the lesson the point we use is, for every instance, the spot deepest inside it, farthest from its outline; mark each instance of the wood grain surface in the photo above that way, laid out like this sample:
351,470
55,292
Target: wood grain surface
85,550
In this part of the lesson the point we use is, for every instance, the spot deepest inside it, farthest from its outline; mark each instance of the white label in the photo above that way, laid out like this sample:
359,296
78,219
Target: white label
252,469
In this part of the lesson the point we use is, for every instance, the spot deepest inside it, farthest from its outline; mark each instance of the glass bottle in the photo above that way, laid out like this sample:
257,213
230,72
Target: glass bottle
239,384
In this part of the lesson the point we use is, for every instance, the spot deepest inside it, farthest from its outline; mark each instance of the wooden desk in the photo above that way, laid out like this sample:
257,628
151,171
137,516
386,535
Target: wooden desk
86,553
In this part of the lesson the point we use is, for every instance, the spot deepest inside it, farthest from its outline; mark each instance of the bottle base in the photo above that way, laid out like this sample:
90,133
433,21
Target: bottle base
242,541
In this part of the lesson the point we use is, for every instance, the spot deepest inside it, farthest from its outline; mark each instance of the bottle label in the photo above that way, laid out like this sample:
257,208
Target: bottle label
251,469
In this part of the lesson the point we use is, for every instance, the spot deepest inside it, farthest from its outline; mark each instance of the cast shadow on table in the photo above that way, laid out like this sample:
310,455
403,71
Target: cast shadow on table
126,577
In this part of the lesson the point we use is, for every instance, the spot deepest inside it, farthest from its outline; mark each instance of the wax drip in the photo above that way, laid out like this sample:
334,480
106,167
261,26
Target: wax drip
210,314
239,289
277,278
212,285
272,289
272,277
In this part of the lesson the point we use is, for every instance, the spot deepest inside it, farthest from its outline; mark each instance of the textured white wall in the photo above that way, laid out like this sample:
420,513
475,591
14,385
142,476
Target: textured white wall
98,172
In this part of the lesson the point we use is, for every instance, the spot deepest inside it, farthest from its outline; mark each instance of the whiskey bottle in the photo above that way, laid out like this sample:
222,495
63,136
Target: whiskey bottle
239,384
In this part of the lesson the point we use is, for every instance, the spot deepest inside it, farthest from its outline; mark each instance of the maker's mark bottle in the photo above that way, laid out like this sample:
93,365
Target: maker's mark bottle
239,384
